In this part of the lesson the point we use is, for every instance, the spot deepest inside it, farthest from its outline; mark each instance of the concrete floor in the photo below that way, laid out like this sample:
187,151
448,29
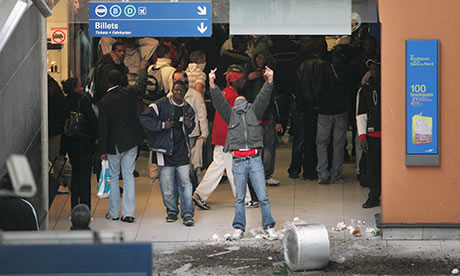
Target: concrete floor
311,202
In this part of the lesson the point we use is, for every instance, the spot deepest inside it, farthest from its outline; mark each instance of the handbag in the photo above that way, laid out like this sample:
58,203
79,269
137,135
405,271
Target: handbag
103,188
75,124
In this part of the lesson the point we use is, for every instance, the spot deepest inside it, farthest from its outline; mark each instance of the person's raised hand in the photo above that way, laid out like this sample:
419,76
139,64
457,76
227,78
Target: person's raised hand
212,78
268,74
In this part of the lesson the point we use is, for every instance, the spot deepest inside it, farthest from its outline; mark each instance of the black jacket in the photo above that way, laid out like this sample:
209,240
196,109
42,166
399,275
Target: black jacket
368,108
118,122
307,88
334,88
56,108
83,144
17,214
160,138
104,66
253,87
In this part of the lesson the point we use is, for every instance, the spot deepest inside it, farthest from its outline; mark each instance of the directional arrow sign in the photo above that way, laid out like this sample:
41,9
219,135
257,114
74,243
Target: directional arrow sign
201,10
202,28
150,19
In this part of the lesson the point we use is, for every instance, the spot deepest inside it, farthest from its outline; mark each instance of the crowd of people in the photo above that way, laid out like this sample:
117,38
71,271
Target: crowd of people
167,91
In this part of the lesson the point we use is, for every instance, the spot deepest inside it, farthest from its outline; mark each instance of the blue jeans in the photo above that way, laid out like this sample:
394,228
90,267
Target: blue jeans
337,125
170,188
126,161
255,169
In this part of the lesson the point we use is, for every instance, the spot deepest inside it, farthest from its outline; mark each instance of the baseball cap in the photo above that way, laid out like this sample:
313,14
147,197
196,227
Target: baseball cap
235,68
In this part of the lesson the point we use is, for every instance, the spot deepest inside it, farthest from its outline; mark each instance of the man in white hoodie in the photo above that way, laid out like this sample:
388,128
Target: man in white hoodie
195,71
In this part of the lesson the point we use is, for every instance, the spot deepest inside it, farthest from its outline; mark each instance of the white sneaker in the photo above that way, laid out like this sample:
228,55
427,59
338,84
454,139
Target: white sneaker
273,182
238,234
270,234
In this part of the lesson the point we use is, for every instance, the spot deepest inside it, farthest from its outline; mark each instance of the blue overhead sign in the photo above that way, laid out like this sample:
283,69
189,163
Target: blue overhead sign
422,97
150,19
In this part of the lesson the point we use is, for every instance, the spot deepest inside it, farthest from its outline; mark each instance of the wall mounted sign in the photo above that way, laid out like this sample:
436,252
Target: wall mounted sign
150,19
422,103
58,35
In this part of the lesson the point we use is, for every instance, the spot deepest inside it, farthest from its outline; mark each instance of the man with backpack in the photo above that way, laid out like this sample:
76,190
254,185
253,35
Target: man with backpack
159,82
159,75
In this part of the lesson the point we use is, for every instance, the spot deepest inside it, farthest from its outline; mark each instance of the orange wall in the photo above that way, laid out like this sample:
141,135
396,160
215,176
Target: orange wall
420,194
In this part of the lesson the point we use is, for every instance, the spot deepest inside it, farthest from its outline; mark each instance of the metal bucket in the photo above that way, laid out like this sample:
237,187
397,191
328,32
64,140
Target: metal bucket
306,246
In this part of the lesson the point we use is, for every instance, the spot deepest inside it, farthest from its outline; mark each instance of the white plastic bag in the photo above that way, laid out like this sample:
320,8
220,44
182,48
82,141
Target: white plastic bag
103,188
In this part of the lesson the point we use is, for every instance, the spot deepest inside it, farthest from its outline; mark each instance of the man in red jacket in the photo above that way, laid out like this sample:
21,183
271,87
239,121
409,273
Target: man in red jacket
222,161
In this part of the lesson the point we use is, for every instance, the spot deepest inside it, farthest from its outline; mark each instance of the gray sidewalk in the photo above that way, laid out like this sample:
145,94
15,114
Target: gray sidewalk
307,200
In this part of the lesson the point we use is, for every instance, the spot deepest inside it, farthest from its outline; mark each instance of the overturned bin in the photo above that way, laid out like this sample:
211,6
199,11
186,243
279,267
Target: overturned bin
306,246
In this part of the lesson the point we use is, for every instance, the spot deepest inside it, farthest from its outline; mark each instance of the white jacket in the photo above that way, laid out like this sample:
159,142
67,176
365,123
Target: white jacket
166,73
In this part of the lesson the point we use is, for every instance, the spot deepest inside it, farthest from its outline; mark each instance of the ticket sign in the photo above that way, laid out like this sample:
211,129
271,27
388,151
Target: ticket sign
422,103
150,19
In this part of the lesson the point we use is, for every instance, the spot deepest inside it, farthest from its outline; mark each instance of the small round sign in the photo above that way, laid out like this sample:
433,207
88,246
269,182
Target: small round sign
58,36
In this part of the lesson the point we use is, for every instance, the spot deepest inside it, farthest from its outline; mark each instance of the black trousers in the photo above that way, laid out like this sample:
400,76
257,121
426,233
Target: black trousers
374,164
297,147
80,190
310,158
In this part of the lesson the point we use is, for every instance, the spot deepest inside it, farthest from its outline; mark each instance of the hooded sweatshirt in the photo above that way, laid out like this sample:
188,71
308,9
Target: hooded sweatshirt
253,87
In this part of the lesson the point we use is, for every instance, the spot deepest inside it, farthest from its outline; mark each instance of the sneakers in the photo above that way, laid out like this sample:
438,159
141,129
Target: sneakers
188,221
128,219
273,182
237,234
110,218
339,180
200,202
171,218
252,204
323,181
270,234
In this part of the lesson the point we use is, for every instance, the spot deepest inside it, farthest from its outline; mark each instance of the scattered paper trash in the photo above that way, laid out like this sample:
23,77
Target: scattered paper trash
215,238
338,259
278,264
455,271
350,229
228,237
270,258
259,237
182,269
257,231
356,232
219,254
233,248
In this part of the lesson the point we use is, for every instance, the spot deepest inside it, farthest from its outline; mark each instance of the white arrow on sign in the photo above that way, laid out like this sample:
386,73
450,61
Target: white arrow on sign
201,10
202,28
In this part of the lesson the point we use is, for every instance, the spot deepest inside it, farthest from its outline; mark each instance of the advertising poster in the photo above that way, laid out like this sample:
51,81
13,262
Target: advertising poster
422,87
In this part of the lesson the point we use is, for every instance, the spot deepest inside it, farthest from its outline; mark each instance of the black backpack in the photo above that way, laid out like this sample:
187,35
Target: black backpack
155,89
